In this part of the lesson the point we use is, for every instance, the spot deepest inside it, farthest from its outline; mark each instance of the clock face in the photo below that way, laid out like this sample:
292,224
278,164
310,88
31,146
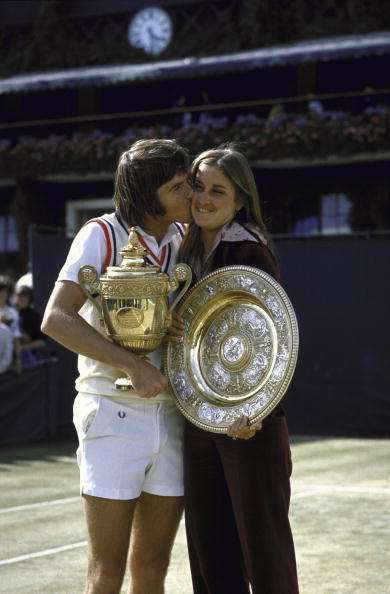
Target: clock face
150,30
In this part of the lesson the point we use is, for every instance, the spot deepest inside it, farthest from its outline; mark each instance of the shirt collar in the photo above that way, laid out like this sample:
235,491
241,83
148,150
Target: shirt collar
172,232
234,231
237,232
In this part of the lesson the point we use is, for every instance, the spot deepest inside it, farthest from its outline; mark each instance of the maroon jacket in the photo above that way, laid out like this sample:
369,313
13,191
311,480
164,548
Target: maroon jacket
245,253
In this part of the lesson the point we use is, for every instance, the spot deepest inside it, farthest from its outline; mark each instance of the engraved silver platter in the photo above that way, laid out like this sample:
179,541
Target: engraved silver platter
239,350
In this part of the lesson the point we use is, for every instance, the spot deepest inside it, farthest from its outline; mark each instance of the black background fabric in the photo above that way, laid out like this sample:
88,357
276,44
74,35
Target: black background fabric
339,288
30,323
28,404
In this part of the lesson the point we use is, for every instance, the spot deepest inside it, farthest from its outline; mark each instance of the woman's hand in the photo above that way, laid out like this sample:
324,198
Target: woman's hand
176,329
241,428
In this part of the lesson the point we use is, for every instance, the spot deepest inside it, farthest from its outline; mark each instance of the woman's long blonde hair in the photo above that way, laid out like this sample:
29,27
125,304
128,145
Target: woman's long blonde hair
236,168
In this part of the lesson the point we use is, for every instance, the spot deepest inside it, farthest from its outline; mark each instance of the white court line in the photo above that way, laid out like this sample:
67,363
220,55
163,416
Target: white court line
342,489
44,553
16,508
318,490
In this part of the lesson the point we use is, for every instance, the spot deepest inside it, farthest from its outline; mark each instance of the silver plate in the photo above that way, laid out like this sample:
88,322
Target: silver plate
239,351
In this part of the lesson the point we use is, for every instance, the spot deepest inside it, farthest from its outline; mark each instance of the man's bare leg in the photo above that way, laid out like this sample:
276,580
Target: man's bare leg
155,524
109,526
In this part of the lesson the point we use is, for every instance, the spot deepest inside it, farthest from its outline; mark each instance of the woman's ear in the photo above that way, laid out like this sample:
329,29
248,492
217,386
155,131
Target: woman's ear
241,215
239,204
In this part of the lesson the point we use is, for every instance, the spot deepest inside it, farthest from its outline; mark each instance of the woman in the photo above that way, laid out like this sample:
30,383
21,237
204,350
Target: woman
237,485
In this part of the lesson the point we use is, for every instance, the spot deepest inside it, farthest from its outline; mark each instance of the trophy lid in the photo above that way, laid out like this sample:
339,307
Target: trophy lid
134,262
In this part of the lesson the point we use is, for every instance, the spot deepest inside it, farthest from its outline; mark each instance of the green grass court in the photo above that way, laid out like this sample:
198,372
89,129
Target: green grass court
340,515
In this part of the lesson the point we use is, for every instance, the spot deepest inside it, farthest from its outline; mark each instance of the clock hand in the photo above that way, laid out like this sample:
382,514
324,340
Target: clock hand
154,36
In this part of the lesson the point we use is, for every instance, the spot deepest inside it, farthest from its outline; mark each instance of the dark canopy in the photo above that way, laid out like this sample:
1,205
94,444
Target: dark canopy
307,51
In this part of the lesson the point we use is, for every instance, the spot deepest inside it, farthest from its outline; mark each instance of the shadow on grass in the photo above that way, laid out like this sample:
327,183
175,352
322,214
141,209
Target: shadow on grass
48,450
298,439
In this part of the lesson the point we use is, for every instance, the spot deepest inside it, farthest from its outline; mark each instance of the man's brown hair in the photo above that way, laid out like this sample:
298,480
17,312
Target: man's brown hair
142,169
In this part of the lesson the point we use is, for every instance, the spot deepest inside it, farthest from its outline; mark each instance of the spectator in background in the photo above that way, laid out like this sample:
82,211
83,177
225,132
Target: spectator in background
32,338
182,119
25,281
6,347
9,316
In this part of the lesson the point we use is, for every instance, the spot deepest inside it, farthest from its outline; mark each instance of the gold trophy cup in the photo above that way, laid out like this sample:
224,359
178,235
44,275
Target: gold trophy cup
132,299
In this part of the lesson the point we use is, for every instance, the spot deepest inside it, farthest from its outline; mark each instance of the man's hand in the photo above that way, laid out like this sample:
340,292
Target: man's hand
146,379
242,430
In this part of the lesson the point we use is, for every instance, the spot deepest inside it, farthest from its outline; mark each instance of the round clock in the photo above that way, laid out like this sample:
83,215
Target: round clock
151,30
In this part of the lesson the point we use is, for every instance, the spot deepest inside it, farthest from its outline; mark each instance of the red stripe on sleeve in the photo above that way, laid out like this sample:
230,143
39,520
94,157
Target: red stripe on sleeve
108,257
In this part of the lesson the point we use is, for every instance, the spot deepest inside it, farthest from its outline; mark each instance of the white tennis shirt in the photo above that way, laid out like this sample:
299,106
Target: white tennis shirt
98,244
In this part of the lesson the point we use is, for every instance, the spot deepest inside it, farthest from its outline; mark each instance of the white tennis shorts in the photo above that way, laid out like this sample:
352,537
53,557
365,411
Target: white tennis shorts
126,449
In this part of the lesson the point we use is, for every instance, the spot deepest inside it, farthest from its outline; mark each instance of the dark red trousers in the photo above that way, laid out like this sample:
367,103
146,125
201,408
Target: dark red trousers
237,496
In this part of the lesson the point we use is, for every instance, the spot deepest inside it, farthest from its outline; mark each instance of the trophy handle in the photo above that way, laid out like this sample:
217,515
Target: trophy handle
89,282
181,273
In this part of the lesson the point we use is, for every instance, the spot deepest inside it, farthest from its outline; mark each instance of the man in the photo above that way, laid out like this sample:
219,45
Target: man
9,316
6,347
32,340
129,455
